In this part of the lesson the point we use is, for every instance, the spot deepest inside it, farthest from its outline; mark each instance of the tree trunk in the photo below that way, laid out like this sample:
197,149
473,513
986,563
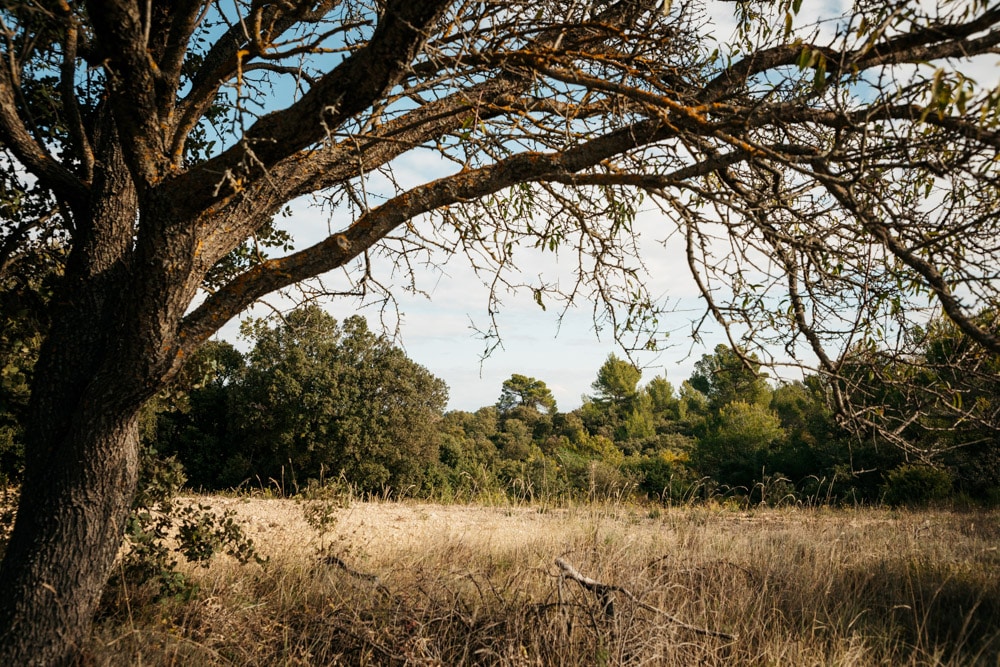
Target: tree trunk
68,531
81,467
81,437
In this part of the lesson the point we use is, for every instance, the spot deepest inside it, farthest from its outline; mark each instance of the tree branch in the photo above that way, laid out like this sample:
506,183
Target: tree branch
371,227
604,591
223,62
71,104
120,38
930,273
15,136
931,43
348,89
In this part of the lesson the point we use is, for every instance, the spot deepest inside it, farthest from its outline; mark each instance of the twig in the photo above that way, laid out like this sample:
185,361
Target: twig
604,591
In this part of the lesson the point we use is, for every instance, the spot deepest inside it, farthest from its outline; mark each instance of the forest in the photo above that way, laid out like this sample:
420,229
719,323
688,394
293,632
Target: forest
316,401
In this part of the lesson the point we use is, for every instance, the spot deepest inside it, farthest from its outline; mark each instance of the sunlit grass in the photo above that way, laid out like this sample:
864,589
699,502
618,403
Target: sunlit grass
473,584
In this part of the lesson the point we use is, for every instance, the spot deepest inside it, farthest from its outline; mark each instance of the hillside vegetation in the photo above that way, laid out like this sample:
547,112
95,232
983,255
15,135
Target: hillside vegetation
316,399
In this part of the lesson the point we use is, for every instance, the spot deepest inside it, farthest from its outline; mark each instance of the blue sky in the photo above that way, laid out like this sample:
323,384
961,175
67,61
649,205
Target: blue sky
440,333
439,330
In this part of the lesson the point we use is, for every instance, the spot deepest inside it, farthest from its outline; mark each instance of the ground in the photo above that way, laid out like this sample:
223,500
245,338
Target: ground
419,583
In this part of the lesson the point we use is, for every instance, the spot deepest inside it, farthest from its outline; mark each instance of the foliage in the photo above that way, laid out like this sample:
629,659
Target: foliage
313,399
662,446
734,448
25,289
322,501
616,380
8,510
936,402
727,376
160,526
663,475
527,392
917,485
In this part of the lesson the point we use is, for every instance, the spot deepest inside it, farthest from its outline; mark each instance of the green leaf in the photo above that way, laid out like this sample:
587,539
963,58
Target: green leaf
538,298
804,58
819,78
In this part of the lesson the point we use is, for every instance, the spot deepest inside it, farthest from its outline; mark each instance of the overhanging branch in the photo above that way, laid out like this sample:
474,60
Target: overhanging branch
339,249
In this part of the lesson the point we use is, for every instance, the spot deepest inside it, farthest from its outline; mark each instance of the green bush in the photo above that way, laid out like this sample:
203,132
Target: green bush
198,532
662,475
917,485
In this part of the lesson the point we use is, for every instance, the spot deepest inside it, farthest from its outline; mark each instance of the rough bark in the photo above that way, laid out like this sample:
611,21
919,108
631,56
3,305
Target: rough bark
69,531
81,435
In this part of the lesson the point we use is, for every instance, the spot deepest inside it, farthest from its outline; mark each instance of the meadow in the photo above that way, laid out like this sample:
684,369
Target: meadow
411,583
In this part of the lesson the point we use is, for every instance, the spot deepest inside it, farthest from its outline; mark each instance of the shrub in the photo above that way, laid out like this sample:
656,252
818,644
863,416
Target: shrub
198,533
917,485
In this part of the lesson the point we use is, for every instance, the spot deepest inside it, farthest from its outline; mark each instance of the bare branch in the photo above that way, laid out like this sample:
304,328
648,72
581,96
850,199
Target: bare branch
36,159
604,591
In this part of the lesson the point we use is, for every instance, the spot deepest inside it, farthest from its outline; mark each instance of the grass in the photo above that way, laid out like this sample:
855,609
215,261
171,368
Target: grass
478,585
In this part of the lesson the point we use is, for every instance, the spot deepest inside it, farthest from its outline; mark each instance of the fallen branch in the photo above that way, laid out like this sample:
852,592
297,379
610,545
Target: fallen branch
372,579
604,592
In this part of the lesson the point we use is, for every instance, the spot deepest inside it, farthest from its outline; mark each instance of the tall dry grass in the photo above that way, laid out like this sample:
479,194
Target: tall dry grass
449,585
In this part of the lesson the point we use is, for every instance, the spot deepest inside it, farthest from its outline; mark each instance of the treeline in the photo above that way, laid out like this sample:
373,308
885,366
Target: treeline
317,400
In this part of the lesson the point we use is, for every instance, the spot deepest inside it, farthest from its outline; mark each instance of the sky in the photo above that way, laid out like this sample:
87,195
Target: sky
439,331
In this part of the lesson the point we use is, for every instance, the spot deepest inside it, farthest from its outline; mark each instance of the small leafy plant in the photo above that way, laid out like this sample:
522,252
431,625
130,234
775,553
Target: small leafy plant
159,528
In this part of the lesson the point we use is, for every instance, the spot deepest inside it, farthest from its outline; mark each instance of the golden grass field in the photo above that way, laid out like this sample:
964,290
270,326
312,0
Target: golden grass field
430,584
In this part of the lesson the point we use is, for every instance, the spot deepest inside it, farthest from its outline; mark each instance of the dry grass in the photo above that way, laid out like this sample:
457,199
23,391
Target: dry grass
460,585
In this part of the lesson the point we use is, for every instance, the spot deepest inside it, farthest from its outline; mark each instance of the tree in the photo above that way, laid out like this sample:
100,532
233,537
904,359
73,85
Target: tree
734,448
665,404
617,381
808,426
322,398
727,376
936,400
199,428
523,391
144,139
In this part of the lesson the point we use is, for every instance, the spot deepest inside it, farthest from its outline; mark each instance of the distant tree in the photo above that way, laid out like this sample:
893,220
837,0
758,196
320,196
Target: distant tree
619,410
527,392
321,398
616,381
727,376
467,449
692,408
734,448
198,425
514,440
809,429
665,403
312,398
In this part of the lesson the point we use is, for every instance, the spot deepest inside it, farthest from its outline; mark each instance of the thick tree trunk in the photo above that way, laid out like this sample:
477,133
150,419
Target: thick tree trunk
80,474
68,531
81,440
